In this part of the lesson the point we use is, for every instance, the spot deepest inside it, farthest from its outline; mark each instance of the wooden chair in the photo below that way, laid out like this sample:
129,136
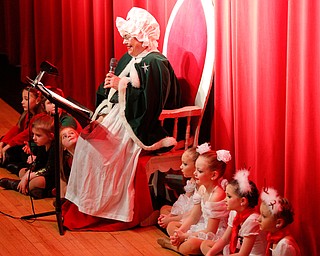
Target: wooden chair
189,44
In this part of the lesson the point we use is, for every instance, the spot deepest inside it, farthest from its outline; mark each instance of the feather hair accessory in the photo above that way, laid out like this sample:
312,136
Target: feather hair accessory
242,177
224,183
223,155
203,148
271,198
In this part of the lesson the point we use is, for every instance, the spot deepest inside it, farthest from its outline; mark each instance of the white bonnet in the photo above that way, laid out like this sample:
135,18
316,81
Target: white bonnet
141,25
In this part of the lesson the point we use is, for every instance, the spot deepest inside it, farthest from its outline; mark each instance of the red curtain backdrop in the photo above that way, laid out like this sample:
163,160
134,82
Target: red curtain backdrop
77,36
266,91
267,100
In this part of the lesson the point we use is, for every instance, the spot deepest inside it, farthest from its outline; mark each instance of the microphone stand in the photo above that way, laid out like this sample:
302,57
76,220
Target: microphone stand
47,67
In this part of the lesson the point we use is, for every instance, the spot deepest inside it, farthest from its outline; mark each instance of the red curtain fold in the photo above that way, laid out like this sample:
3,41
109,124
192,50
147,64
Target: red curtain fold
75,36
266,91
266,107
302,174
9,31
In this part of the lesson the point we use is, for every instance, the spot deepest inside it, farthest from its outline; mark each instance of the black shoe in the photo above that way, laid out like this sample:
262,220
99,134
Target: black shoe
38,193
9,183
13,168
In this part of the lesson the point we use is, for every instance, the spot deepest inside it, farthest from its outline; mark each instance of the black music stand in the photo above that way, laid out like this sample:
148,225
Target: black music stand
75,110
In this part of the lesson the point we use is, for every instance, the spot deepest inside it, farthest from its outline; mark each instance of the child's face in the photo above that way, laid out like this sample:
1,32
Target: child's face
267,221
202,174
187,166
69,137
50,107
41,138
233,201
29,100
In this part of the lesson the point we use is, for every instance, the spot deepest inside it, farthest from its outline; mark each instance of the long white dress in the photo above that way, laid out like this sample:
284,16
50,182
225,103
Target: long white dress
184,203
214,210
97,189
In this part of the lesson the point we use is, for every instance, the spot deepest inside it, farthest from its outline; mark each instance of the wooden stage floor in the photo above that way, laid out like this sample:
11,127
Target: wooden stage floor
41,236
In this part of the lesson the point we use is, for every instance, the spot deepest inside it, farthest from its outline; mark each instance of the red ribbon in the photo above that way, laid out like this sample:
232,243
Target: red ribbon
274,238
237,222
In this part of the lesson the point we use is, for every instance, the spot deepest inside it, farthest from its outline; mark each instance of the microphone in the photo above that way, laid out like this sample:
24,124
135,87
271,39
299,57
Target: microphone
113,65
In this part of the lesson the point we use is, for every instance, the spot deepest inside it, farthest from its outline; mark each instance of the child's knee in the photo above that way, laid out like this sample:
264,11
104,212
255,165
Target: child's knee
37,182
172,226
206,245
190,246
166,209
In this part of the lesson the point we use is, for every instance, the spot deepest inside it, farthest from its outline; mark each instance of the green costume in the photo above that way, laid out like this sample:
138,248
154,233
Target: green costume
159,89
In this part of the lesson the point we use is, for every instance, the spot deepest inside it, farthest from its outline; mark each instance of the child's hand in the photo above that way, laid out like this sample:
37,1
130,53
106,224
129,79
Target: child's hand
177,238
26,148
31,159
163,220
3,152
23,185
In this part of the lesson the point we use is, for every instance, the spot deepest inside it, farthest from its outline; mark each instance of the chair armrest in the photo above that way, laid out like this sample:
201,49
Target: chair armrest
185,112
180,112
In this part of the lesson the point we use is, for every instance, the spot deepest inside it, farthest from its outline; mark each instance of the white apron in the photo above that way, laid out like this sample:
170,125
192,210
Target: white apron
101,182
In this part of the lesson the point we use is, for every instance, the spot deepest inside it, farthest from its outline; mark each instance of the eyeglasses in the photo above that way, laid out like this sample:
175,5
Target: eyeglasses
126,37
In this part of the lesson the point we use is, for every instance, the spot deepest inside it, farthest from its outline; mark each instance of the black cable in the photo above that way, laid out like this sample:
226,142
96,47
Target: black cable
10,216
28,186
31,166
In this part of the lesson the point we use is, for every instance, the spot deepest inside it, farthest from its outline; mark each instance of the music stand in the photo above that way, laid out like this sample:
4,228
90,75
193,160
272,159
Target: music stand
70,107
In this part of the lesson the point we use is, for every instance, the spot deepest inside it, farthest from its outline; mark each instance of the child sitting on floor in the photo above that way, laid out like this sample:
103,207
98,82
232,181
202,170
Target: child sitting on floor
66,120
13,142
69,137
37,180
242,235
208,216
184,203
276,214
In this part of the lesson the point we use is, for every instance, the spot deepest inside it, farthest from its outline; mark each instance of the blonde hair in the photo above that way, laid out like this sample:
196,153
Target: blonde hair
192,152
213,163
44,122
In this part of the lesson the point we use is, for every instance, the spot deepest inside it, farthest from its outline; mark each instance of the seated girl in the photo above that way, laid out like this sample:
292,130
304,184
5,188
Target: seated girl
276,214
66,120
38,179
208,217
184,203
69,137
13,142
242,236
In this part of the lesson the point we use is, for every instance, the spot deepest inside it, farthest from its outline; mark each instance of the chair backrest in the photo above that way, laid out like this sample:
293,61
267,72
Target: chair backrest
189,44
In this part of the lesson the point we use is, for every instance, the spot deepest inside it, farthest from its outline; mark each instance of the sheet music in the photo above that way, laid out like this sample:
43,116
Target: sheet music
59,98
